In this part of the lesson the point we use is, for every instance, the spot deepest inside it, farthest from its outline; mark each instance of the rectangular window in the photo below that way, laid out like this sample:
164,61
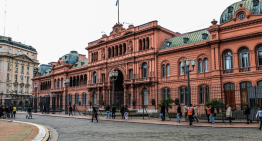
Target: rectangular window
8,66
8,50
27,79
103,77
15,52
15,78
70,99
22,69
201,95
22,78
26,90
131,74
180,69
22,53
76,99
21,89
207,93
7,88
16,68
7,77
84,99
33,56
27,70
181,95
15,88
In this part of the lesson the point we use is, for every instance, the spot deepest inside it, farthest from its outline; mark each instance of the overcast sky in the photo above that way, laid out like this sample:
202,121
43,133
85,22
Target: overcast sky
55,27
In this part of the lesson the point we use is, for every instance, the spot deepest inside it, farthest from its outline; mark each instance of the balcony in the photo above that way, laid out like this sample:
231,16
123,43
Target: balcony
57,90
144,80
77,87
259,67
228,71
96,85
244,69
129,81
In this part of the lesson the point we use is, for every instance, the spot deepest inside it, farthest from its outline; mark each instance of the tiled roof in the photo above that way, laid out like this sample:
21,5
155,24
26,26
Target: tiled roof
5,40
193,37
80,63
248,4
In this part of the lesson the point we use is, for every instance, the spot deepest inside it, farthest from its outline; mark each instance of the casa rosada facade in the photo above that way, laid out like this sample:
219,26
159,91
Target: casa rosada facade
148,61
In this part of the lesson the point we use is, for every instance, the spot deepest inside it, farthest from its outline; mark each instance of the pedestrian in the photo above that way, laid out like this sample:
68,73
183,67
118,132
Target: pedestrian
114,111
122,111
7,112
229,113
29,113
95,111
190,112
10,111
185,111
208,112
70,110
195,113
259,115
44,109
14,111
163,111
247,113
212,114
1,111
107,111
126,113
178,114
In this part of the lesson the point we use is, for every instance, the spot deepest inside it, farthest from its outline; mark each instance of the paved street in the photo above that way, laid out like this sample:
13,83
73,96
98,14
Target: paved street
82,129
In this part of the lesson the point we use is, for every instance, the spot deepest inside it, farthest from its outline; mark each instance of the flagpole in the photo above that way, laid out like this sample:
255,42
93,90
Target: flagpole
118,11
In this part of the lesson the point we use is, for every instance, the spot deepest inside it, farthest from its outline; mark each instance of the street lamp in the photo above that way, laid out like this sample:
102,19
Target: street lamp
35,98
113,77
2,92
53,103
66,82
185,66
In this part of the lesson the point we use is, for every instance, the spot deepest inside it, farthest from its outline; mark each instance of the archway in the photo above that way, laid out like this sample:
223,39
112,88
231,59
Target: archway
119,90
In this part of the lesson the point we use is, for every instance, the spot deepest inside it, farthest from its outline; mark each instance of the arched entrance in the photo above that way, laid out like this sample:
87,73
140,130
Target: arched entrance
119,90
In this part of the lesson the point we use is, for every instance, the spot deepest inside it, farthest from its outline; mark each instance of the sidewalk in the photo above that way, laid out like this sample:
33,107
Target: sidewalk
22,131
173,121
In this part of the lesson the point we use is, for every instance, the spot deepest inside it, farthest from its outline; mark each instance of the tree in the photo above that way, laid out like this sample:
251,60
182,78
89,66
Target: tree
167,102
217,103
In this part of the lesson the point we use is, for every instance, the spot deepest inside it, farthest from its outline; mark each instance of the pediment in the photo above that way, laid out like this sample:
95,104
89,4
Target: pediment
23,57
117,28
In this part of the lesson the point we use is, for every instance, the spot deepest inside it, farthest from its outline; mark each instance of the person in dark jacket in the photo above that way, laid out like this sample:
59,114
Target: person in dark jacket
70,110
114,111
122,111
1,111
212,115
247,113
95,111
163,109
11,111
7,111
29,112
107,111
178,114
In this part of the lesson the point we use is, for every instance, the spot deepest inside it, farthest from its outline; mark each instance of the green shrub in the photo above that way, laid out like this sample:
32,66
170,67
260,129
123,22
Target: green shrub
167,102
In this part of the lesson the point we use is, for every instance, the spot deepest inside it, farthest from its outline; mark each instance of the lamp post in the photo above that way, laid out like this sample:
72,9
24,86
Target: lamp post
185,65
113,77
66,82
35,98
53,103
48,102
2,92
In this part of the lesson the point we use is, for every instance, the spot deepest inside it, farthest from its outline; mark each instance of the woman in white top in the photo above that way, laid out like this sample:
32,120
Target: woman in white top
229,113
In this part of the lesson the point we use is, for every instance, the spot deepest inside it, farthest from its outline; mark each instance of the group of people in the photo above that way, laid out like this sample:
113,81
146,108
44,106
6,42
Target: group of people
124,112
7,111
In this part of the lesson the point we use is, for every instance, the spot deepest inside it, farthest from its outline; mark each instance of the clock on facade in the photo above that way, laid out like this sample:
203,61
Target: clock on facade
116,30
241,16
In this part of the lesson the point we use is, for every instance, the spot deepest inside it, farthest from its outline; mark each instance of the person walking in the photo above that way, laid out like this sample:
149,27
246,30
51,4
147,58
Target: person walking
229,113
29,113
95,111
212,114
70,110
10,111
44,109
208,112
185,111
7,111
114,111
178,113
259,115
195,113
247,113
107,111
126,113
122,111
163,111
1,111
190,113
14,111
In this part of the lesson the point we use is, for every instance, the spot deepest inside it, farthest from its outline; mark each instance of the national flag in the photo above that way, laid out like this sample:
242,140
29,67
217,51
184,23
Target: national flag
116,2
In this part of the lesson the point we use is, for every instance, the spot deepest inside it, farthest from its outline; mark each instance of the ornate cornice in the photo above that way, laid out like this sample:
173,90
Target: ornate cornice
241,24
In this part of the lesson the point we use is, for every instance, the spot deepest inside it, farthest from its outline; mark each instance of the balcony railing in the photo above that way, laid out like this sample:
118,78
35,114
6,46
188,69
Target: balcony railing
244,69
228,71
259,67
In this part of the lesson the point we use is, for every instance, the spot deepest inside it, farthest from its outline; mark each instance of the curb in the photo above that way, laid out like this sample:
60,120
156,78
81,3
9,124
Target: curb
47,136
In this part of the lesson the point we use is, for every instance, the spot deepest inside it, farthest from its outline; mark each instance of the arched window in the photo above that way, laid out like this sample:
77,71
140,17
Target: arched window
200,66
259,56
85,79
203,94
144,44
259,83
168,70
206,64
113,51
140,44
145,96
147,43
183,95
84,99
120,50
95,97
181,72
165,93
76,99
244,59
109,52
94,77
244,90
124,46
116,51
145,70
58,82
228,60
163,70
70,99
92,57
